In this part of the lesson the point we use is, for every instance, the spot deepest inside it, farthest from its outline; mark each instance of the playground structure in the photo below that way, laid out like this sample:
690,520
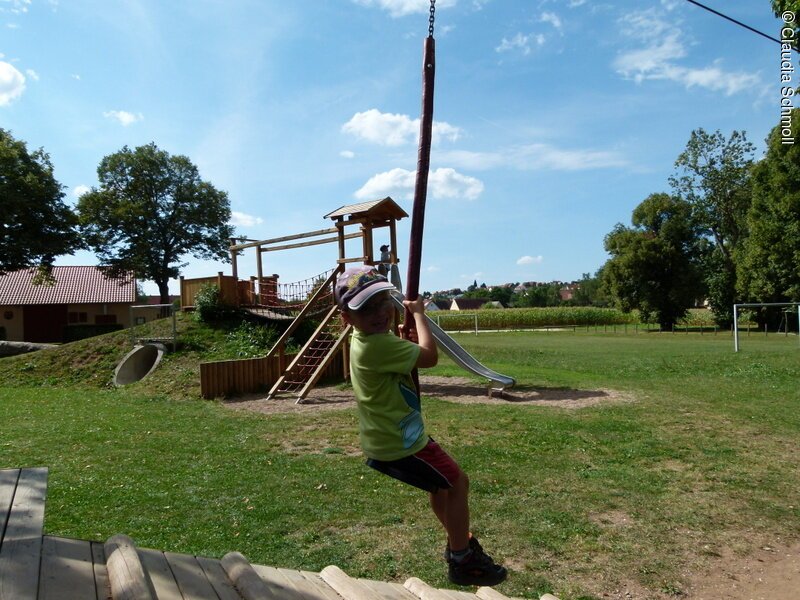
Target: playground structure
264,296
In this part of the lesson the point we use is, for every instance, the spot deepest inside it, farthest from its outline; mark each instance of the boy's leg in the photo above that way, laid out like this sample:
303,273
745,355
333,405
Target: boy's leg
451,507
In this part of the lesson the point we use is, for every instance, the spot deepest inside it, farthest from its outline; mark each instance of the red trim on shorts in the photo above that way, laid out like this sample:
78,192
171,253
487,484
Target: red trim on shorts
436,458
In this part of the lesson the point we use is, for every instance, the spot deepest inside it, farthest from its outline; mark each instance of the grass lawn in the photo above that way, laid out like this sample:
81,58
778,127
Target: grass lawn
575,502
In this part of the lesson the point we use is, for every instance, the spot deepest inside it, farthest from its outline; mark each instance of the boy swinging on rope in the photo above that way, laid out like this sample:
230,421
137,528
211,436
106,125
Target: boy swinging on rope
392,431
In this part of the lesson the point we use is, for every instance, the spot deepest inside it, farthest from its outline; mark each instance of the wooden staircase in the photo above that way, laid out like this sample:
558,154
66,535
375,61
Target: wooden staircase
309,364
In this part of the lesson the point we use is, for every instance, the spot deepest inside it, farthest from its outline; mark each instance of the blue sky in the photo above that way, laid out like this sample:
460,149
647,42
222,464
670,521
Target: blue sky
553,118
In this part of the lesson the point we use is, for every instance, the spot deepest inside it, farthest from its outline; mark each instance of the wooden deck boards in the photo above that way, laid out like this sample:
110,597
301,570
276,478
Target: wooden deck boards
34,566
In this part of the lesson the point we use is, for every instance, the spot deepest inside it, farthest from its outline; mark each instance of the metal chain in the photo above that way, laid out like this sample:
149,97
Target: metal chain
431,18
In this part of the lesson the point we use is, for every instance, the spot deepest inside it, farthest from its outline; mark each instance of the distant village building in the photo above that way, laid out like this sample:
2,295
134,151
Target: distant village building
78,296
468,303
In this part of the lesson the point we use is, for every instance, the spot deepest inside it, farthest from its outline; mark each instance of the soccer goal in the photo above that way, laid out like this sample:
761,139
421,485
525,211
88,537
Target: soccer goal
788,307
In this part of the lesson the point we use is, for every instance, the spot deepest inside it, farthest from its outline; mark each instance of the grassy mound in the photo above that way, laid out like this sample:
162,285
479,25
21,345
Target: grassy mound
90,363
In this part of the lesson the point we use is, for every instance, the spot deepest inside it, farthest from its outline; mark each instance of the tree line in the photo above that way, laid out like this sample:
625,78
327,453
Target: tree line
149,211
727,232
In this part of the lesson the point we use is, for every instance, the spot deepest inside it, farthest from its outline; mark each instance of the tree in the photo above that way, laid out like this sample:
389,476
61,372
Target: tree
543,294
35,223
780,7
713,175
152,209
769,266
588,291
654,265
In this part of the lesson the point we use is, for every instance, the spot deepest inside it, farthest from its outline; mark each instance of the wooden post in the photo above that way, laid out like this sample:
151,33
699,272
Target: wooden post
366,242
340,227
393,241
234,266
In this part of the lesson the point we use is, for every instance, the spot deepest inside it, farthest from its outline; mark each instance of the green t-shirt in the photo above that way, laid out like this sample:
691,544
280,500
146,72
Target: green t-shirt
390,421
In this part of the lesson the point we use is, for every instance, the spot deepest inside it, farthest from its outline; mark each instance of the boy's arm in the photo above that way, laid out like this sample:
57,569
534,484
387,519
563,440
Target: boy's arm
428,353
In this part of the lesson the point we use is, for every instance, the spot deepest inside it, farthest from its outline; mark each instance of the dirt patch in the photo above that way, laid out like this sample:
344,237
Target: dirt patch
770,572
450,389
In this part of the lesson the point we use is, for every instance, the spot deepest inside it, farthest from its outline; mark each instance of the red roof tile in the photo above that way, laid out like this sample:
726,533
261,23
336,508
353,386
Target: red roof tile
74,285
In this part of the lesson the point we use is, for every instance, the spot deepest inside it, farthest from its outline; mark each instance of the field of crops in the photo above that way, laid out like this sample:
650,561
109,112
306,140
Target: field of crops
560,316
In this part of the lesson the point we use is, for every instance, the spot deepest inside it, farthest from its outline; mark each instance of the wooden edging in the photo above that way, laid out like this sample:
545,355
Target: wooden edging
126,575
344,585
244,577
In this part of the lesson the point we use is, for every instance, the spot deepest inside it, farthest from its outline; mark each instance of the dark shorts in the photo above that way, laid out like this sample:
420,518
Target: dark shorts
431,469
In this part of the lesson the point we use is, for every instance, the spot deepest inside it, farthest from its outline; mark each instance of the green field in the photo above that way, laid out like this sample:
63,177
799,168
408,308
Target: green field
699,459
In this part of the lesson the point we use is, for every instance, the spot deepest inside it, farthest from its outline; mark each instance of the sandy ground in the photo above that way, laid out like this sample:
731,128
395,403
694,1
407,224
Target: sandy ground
767,572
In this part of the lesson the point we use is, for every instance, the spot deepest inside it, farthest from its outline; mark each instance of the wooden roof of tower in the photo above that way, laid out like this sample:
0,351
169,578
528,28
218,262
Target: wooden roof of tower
376,209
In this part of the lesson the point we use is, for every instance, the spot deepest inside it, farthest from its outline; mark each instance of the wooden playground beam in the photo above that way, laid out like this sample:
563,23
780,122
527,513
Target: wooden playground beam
286,238
329,240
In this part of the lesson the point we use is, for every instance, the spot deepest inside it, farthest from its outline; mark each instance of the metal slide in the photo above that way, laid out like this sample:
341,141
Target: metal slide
460,356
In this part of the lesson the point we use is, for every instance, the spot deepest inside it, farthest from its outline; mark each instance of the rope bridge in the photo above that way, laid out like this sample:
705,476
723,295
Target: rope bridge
290,298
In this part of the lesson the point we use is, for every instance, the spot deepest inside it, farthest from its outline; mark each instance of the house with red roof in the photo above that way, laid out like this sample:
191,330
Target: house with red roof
31,312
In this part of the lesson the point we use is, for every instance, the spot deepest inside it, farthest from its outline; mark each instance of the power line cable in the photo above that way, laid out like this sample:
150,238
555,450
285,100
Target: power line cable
739,23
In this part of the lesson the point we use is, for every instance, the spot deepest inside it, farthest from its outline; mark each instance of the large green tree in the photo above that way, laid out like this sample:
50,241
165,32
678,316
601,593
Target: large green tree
150,211
781,8
713,175
769,266
654,265
35,223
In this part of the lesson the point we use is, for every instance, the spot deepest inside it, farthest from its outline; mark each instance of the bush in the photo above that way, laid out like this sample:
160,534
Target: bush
209,307
252,339
2,333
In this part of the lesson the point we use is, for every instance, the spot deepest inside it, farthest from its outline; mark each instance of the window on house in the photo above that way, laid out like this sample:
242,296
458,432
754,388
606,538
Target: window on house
77,317
105,319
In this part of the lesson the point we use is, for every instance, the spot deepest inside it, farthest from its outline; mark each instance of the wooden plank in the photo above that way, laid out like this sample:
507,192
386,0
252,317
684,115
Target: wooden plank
487,593
346,586
157,567
127,575
102,585
8,484
250,585
22,540
319,584
426,592
279,585
67,572
192,581
218,579
388,591
310,585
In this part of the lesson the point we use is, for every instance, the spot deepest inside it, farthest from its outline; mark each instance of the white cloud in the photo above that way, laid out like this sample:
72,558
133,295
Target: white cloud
432,269
15,7
576,3
389,129
530,260
80,190
347,154
520,42
535,157
442,183
123,117
657,60
244,220
76,77
401,8
32,74
12,83
552,18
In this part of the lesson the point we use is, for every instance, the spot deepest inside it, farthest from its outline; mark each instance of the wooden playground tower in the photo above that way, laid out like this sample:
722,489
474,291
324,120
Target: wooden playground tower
331,336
